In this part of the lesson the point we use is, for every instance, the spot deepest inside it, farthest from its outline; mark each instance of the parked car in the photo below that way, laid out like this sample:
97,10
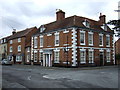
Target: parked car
6,62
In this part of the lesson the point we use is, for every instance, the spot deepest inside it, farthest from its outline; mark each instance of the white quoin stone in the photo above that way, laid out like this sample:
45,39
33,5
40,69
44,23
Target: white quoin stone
74,43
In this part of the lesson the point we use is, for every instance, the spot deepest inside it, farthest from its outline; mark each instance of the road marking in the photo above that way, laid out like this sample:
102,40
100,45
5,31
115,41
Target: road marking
48,77
102,72
29,77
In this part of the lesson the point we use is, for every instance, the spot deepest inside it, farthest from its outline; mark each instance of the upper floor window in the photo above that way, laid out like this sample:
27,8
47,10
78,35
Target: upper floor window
86,23
42,28
82,37
11,49
19,39
28,49
100,39
104,27
108,40
56,39
4,40
90,38
41,41
11,42
35,42
19,48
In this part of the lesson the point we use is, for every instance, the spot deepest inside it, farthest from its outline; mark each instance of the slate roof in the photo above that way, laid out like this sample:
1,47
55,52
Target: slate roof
70,22
21,33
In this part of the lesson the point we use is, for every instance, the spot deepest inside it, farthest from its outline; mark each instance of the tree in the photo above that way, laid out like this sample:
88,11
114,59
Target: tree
116,24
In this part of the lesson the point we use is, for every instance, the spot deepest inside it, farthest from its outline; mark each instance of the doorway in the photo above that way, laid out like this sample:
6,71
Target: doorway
101,58
47,60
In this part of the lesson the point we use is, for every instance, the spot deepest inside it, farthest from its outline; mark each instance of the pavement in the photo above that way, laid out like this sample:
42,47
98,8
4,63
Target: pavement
26,76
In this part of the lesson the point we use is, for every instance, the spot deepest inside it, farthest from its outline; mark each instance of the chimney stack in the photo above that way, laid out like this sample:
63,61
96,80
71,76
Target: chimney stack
102,19
59,15
14,31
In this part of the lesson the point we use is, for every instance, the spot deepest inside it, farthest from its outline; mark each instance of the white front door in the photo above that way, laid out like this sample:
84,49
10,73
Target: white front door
48,60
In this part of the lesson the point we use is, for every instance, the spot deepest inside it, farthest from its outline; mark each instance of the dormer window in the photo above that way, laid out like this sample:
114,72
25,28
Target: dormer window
86,23
42,29
104,27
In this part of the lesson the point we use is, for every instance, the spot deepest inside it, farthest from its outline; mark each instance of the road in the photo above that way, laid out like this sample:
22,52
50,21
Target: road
25,76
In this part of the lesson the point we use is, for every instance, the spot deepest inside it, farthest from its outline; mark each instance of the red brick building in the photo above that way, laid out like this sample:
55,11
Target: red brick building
19,46
73,41
117,51
117,46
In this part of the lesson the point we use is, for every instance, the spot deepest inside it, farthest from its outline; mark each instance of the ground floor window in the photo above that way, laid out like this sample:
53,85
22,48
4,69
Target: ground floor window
91,56
35,57
28,57
56,57
18,58
108,56
41,56
82,56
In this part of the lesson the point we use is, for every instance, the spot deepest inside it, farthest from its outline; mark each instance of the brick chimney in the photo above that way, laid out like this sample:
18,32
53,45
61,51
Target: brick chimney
102,19
60,15
14,31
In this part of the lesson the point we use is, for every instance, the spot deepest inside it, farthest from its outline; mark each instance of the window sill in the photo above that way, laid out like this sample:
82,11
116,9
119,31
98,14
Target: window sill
56,62
82,62
90,44
101,45
82,44
57,45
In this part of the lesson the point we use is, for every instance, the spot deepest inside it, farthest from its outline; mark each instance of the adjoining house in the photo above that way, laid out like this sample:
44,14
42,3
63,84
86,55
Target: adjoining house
73,41
19,46
3,47
117,51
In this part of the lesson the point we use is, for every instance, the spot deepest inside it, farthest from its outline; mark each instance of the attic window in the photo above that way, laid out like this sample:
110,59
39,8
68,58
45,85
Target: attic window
86,23
42,28
104,27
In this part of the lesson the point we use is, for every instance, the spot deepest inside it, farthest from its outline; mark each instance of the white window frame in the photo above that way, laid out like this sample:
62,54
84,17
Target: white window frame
84,61
40,56
57,37
101,39
89,56
28,49
28,57
19,39
18,58
11,42
11,48
66,31
108,57
90,33
41,41
4,40
19,48
35,42
104,27
108,36
84,37
86,24
56,51
35,57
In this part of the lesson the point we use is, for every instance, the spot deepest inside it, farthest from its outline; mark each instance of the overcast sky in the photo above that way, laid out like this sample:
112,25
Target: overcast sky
21,14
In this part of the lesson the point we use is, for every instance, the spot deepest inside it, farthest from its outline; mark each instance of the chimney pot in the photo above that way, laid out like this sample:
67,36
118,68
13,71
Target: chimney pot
102,19
14,31
60,14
